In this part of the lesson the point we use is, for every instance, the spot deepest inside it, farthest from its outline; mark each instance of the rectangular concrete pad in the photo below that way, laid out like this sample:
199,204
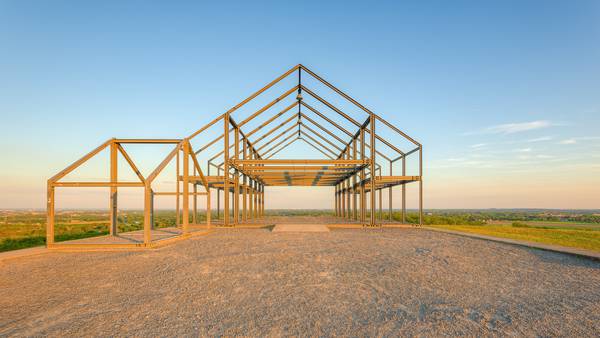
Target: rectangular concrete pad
300,228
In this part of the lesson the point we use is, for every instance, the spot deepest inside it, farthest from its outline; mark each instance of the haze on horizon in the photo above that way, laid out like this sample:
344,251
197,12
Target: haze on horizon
503,96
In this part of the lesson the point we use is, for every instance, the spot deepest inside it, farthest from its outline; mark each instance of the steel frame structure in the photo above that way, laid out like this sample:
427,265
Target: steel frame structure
353,165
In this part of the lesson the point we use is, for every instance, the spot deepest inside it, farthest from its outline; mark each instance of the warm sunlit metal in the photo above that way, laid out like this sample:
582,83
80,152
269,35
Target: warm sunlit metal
353,164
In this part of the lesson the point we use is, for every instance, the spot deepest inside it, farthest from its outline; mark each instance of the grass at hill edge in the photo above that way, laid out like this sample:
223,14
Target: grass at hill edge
585,238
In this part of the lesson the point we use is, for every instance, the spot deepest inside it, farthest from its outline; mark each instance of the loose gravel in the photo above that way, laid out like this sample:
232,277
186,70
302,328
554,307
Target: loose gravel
254,282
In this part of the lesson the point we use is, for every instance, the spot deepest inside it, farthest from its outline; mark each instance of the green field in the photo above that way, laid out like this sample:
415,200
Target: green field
576,236
23,229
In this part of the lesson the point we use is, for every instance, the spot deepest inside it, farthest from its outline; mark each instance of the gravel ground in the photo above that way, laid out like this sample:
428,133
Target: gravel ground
345,282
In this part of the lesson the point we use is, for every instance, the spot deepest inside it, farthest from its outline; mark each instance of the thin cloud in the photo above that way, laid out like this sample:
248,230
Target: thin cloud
574,140
540,139
478,145
511,128
568,141
523,150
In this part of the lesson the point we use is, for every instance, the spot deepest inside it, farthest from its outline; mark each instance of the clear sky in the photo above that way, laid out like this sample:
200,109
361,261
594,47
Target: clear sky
504,95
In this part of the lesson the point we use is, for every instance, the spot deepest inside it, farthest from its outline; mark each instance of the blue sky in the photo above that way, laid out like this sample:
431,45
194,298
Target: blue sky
503,95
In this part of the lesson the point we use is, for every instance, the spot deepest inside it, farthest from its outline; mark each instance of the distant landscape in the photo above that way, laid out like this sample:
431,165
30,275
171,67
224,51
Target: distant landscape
574,228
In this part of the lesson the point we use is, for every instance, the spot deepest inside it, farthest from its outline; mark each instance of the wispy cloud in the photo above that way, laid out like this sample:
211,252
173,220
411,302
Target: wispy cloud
568,141
574,140
540,139
511,128
523,150
478,145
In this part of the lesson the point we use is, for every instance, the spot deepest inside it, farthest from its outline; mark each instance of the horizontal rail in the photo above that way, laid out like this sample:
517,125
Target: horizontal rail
147,141
167,193
97,184
297,161
251,168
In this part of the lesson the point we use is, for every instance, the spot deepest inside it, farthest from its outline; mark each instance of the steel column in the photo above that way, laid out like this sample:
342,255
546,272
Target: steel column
236,182
113,189
354,207
50,215
372,168
403,191
186,187
363,201
147,214
177,207
420,185
226,171
244,186
390,194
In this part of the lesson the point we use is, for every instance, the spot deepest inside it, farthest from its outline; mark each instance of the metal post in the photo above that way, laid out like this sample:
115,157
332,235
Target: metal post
244,186
335,195
186,187
348,194
262,200
152,224
354,208
339,199
208,208
195,201
257,205
236,184
403,191
177,181
343,191
251,202
255,199
343,198
252,156
380,205
348,199
363,201
372,168
113,189
147,213
226,172
50,215
339,202
420,185
251,199
390,195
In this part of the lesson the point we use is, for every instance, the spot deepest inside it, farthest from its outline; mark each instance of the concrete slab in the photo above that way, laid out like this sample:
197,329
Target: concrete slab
136,236
307,227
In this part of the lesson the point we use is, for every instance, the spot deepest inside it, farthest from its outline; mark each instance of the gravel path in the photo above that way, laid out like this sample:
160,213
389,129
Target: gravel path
345,282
